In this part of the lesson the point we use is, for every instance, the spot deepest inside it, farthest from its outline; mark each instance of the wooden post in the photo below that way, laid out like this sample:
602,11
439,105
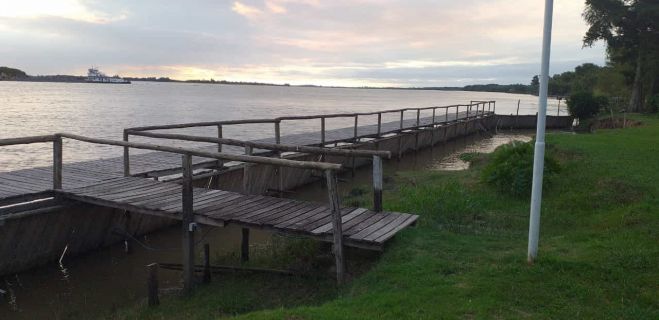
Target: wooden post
489,105
379,124
457,112
477,105
126,156
558,111
279,168
219,144
494,107
446,119
322,131
248,152
57,162
418,117
377,183
187,225
433,116
335,207
356,123
207,263
244,246
152,285
401,119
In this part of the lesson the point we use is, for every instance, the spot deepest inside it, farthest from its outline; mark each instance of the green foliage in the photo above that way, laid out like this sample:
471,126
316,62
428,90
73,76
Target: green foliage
11,73
583,105
510,168
653,103
629,28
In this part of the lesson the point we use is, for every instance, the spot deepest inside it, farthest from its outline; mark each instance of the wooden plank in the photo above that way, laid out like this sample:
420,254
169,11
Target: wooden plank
292,214
386,236
373,227
298,221
344,219
309,217
400,218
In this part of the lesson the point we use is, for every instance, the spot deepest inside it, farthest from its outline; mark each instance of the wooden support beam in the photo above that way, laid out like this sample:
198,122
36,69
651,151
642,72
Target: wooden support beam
248,152
322,131
187,225
379,124
26,140
220,163
377,183
268,146
280,173
207,263
152,285
57,162
244,245
337,228
126,155
212,155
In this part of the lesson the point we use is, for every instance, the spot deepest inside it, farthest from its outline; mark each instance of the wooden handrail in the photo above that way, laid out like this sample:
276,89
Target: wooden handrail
26,140
205,154
268,146
279,119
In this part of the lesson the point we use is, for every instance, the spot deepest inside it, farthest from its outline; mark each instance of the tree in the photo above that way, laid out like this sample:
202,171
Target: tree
629,28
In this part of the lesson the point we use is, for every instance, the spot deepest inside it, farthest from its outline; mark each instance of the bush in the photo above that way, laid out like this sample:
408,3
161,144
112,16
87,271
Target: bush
510,168
653,103
584,105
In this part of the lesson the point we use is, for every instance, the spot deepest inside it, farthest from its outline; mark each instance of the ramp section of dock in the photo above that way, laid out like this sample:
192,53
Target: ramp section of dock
362,228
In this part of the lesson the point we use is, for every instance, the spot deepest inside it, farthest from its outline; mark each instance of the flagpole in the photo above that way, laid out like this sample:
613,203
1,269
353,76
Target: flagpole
539,155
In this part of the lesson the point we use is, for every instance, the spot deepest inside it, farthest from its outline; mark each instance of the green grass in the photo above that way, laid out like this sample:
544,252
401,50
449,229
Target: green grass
598,255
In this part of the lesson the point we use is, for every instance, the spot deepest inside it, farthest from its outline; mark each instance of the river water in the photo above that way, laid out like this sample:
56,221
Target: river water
34,108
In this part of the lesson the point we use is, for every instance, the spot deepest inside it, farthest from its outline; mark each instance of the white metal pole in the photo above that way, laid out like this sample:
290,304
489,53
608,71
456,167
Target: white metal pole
539,155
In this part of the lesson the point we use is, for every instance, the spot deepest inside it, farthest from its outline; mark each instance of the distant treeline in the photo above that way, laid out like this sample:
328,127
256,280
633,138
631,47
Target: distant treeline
586,77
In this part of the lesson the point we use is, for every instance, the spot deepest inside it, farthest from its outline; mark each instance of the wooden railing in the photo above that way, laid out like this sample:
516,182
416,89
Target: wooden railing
188,223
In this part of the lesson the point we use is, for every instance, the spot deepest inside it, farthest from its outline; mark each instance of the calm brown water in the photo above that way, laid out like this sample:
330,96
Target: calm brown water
32,108
108,278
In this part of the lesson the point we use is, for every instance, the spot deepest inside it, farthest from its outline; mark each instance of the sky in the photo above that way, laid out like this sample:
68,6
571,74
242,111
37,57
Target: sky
333,42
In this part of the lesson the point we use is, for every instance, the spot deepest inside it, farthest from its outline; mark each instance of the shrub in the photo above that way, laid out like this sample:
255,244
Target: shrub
653,103
510,168
584,105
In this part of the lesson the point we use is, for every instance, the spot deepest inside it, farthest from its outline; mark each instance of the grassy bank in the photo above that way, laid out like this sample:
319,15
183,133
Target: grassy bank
599,253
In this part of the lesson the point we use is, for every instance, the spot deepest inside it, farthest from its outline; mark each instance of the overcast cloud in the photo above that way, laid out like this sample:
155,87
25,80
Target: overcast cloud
338,42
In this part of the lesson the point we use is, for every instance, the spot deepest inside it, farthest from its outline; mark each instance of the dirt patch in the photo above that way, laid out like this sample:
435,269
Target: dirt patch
615,123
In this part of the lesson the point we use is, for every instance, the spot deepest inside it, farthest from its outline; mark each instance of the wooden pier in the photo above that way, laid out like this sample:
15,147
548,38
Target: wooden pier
131,183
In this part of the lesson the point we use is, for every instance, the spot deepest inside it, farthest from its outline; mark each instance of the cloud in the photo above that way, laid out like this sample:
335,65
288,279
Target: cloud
247,11
360,42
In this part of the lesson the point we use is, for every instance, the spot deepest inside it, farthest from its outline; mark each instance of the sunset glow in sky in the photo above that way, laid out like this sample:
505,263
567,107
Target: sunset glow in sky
338,42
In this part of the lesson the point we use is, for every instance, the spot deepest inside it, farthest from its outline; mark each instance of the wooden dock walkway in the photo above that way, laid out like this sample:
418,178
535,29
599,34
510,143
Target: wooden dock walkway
131,183
362,228
32,183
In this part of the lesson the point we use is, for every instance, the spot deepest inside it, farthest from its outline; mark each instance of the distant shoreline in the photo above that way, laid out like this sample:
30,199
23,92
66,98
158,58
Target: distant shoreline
11,74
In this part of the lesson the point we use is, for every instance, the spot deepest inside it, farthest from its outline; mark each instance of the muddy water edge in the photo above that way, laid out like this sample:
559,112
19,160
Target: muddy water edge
107,279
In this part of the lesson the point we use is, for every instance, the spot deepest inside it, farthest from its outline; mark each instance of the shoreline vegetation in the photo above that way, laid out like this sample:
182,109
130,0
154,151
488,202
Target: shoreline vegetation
560,84
598,257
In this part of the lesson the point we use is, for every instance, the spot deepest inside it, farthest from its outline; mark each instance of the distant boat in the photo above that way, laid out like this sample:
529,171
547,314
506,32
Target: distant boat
96,76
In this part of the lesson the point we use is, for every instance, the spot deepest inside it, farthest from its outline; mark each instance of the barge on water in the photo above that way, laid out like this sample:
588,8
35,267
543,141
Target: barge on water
96,76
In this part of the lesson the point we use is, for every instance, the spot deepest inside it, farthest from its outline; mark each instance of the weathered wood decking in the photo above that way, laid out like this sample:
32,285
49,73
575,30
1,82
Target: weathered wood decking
22,184
361,227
